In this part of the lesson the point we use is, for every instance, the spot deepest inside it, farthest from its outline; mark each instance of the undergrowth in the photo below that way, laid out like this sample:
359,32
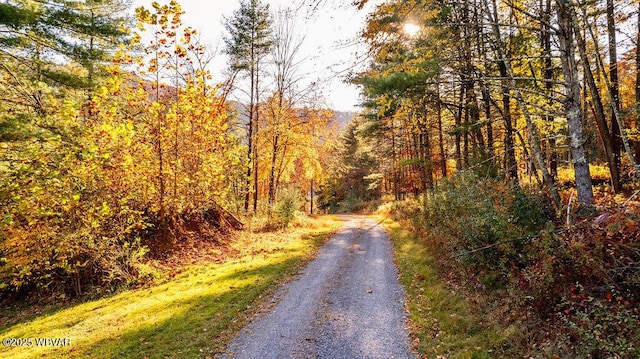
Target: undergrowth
573,289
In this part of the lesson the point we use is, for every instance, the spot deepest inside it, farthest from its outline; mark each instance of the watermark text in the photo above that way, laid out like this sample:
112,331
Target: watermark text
38,342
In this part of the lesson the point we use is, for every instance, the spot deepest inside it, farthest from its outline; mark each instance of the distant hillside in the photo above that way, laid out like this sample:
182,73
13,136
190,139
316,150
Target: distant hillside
343,118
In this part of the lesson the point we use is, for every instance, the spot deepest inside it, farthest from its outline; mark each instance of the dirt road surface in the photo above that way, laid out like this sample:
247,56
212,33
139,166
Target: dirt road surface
347,303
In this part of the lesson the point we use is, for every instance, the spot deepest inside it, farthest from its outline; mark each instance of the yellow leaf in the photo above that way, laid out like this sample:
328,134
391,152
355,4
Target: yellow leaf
105,210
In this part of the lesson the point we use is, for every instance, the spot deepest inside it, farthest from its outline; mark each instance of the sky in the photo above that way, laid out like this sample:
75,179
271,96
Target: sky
329,50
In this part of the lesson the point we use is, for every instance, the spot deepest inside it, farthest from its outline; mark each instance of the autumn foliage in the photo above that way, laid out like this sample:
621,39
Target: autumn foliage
148,156
128,165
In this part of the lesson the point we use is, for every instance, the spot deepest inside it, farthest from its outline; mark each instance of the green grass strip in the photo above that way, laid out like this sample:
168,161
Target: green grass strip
443,323
193,315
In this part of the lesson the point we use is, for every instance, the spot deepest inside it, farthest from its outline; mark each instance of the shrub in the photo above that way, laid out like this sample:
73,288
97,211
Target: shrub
528,210
289,203
472,213
58,244
603,327
352,203
408,208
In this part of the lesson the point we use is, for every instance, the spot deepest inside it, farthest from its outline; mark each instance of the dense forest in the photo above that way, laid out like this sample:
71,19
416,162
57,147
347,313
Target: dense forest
504,134
517,91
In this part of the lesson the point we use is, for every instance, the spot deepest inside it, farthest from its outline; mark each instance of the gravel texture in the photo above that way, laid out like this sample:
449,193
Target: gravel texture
347,303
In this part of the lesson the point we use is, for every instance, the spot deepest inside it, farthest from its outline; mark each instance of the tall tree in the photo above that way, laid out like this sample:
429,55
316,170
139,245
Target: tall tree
636,144
613,160
617,115
285,56
548,76
534,138
566,16
616,139
248,42
40,33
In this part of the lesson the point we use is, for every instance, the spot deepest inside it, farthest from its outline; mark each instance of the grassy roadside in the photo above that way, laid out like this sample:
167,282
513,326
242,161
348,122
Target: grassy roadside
444,323
192,315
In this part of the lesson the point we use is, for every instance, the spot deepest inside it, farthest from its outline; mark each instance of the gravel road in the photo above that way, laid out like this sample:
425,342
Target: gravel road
347,303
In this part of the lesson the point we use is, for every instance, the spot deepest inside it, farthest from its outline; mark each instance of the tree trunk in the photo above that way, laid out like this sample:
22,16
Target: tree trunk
474,118
552,155
255,144
458,132
486,99
427,159
443,156
636,144
272,172
394,165
425,150
250,139
616,139
311,202
277,117
160,150
509,143
572,104
486,94
599,114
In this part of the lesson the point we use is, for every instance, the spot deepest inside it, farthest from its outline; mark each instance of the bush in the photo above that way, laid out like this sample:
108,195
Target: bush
351,204
289,203
408,208
528,210
605,327
57,249
469,213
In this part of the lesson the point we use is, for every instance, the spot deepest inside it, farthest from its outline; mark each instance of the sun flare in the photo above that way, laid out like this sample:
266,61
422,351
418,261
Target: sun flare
411,29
